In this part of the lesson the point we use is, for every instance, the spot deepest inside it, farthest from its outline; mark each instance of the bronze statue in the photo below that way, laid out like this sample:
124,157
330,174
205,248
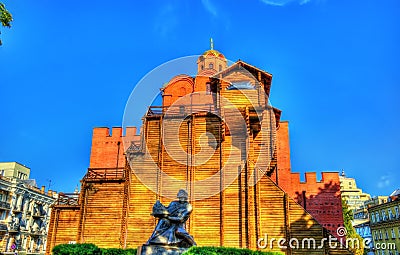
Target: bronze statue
170,229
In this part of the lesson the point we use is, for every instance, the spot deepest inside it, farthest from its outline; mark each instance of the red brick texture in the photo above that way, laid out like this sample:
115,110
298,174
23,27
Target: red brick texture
320,198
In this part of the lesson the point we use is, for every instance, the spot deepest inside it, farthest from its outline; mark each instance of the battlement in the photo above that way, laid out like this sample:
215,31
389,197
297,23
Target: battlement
115,132
320,197
108,148
311,178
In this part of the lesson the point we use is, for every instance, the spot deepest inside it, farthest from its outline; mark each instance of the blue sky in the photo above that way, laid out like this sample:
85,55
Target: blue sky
66,67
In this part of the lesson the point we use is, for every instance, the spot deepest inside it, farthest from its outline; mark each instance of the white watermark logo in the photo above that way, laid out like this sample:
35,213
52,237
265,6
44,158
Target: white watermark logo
312,243
341,231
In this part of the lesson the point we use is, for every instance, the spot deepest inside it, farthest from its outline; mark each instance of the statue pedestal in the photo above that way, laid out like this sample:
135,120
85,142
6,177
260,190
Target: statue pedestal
160,250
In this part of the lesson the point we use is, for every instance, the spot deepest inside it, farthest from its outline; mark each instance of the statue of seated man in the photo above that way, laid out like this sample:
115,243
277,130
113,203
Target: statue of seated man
170,229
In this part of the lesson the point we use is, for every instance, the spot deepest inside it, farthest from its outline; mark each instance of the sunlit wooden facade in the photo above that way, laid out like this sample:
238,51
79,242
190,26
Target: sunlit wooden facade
214,135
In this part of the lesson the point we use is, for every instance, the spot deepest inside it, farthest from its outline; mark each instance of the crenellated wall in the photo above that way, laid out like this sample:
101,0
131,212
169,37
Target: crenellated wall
108,148
234,215
321,198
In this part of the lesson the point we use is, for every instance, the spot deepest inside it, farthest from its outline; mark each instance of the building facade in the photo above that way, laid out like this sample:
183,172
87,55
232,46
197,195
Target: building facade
24,210
362,222
215,136
354,196
385,225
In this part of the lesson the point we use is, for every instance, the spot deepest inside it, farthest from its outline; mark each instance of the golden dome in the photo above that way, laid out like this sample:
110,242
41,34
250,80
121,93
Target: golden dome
213,53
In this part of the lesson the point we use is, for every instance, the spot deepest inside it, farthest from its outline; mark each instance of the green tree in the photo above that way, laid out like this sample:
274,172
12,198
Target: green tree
357,247
5,17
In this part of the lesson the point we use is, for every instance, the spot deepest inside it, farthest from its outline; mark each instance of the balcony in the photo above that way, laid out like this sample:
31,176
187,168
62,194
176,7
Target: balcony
13,228
68,199
4,205
105,174
37,216
180,110
35,234
3,228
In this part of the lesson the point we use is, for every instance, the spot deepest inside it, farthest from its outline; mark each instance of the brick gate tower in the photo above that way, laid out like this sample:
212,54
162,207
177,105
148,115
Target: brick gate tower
216,136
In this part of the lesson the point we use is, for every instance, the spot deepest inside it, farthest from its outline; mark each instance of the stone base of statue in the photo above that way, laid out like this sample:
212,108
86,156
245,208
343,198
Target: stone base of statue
153,249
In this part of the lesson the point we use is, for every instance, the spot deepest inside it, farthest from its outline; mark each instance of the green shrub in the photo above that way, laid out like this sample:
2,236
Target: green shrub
91,249
76,249
116,251
225,251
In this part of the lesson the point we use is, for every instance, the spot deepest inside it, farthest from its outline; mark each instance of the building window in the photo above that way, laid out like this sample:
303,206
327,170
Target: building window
220,68
393,234
383,215
3,215
397,211
372,218
386,235
380,234
208,89
211,65
202,67
182,109
377,217
390,215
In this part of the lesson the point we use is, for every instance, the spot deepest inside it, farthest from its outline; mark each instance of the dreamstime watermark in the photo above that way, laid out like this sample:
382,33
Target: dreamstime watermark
213,95
312,243
385,246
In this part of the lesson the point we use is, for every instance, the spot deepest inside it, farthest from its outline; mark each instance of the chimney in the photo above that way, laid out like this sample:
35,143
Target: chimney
42,190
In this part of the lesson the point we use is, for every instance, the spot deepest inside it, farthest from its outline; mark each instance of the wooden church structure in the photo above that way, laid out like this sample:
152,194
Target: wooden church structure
216,136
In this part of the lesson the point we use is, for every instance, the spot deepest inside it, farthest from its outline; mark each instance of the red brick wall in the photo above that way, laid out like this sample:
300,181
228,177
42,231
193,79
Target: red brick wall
107,148
321,198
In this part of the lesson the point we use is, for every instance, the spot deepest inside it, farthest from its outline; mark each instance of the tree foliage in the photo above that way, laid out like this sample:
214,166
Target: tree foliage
5,17
351,231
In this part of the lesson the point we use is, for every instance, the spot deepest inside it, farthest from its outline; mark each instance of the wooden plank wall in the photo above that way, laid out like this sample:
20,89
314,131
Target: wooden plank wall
102,213
63,226
143,184
206,177
188,153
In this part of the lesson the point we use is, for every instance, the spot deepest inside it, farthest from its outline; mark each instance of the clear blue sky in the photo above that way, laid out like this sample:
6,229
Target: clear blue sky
69,66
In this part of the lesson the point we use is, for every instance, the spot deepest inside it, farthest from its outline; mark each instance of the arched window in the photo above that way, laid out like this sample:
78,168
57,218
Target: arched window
211,65
220,68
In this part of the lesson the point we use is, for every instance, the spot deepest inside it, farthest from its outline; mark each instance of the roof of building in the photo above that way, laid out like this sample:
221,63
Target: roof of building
213,53
30,182
395,193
